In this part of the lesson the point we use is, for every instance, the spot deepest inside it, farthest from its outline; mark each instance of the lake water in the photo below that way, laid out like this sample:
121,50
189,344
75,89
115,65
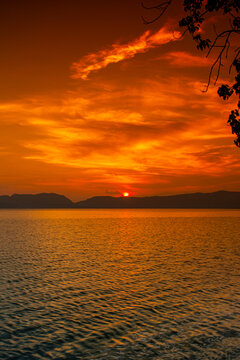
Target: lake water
119,284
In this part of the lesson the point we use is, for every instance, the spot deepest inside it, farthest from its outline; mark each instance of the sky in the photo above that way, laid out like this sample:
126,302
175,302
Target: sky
94,102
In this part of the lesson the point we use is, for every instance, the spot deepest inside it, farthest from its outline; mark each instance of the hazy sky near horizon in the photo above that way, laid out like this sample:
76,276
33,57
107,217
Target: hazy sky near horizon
94,102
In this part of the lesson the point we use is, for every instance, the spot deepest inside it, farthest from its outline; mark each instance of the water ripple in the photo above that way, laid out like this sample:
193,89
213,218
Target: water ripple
106,286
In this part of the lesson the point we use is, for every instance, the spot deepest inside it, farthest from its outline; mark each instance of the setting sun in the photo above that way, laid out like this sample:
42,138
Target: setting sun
125,194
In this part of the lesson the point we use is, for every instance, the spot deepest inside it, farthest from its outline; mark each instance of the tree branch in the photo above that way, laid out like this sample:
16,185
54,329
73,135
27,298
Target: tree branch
218,60
162,7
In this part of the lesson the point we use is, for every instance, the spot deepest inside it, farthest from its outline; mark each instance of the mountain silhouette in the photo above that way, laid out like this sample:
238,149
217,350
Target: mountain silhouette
215,200
38,201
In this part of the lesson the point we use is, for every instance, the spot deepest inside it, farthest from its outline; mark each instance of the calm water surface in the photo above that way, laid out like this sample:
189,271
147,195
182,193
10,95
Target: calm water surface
119,284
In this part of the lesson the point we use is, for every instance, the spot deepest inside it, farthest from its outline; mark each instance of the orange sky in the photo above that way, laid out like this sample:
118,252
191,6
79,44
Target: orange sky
93,102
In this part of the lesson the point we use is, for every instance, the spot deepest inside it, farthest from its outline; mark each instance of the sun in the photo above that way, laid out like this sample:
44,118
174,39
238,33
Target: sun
125,194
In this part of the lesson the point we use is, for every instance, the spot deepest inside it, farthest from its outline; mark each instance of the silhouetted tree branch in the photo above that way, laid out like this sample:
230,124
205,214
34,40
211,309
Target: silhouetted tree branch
162,7
196,13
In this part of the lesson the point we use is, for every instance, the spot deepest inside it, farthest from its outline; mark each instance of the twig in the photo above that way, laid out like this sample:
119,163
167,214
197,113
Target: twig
163,6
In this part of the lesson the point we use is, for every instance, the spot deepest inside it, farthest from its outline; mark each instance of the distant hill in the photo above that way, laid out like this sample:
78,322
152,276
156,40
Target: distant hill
215,200
38,201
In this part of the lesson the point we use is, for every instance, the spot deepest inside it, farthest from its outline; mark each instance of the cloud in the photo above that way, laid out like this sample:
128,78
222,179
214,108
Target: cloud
156,139
183,59
119,52
143,138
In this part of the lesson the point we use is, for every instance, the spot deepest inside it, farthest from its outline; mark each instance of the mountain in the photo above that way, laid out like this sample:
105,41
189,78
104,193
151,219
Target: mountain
215,200
38,201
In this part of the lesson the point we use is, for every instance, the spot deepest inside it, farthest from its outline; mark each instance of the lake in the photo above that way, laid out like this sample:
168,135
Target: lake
119,284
